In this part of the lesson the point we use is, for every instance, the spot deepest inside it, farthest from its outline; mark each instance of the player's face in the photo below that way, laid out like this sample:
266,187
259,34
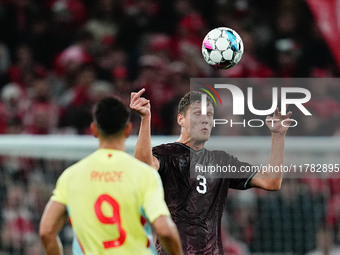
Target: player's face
199,125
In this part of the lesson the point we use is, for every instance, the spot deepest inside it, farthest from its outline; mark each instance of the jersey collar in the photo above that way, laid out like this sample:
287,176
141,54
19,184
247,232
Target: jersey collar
189,148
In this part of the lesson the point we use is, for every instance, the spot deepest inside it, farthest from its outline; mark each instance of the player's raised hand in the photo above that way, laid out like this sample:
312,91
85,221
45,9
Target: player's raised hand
140,104
278,123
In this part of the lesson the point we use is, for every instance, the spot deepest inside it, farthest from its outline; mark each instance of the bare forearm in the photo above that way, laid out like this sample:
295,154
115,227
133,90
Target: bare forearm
143,149
276,159
168,235
52,245
268,179
171,244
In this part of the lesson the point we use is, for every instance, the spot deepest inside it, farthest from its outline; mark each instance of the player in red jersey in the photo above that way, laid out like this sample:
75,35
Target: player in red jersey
196,204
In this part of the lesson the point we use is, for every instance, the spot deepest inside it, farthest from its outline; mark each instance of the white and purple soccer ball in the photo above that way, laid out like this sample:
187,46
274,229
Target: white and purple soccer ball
222,47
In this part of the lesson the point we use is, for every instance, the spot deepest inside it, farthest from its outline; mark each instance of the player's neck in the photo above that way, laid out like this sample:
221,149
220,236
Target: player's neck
195,145
112,143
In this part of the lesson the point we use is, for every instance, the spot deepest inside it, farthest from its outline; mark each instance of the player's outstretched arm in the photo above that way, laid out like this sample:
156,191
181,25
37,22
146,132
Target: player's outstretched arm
52,221
143,149
272,180
168,235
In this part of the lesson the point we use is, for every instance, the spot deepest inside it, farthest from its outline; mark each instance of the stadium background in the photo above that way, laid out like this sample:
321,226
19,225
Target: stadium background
58,57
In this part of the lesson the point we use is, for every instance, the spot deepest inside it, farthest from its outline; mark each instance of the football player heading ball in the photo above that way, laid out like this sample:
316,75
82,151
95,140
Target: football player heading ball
196,205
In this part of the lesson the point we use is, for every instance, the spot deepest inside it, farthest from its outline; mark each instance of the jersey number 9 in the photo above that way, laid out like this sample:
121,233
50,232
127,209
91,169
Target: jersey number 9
114,219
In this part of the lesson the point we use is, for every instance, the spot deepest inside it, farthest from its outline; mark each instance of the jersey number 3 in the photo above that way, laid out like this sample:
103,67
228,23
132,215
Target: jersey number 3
114,219
202,185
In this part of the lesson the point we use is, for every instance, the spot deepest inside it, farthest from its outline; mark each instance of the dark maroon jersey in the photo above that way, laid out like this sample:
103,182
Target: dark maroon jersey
196,202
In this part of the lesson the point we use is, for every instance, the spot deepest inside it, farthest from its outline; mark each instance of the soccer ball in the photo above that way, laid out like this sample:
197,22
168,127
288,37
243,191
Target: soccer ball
222,47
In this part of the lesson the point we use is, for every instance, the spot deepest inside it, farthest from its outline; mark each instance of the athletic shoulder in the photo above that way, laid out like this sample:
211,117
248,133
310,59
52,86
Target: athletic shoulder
169,148
163,148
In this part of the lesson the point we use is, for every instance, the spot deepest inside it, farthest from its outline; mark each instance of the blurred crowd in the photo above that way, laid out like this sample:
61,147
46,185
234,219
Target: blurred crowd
302,218
59,57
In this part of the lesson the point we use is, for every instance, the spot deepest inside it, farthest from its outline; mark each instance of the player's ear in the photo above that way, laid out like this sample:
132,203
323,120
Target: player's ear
180,119
127,130
94,129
